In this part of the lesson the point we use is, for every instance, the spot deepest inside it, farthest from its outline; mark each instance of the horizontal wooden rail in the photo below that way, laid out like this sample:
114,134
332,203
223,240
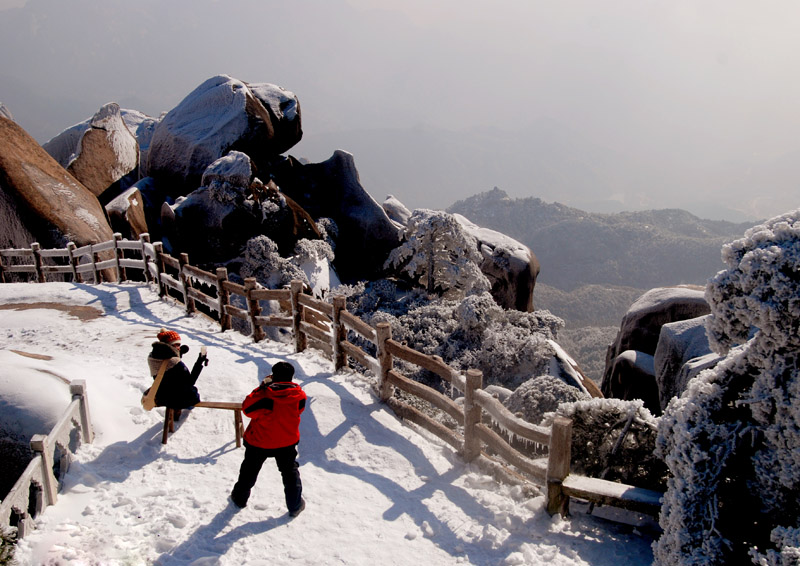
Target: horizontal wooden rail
427,394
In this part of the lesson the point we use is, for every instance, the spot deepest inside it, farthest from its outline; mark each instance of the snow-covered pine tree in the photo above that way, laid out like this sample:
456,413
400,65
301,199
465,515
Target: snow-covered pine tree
439,255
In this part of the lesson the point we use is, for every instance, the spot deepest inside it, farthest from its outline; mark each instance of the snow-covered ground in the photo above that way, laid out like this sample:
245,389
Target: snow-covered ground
378,491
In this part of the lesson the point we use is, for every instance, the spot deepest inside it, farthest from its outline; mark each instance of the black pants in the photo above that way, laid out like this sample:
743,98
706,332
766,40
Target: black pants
285,458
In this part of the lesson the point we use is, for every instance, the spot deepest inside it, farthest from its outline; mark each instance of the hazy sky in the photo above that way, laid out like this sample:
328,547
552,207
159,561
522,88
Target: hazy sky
678,103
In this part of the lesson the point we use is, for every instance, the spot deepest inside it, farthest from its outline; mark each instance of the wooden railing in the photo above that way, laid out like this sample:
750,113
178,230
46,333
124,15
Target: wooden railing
37,486
327,326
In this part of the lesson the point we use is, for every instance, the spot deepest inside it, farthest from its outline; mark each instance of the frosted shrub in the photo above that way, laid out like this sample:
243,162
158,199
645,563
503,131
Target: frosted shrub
732,440
262,261
615,440
439,255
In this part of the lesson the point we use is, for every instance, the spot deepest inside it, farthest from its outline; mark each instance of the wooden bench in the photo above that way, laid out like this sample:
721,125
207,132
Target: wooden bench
169,418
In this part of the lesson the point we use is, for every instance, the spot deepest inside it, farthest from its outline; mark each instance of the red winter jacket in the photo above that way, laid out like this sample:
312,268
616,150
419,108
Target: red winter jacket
274,409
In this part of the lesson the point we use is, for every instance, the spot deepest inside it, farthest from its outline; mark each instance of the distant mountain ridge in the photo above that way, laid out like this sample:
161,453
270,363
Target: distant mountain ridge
643,250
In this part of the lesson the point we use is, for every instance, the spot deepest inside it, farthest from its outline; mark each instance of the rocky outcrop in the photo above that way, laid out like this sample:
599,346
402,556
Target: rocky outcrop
396,210
126,214
229,209
332,189
221,115
39,200
678,343
510,266
5,112
106,151
639,333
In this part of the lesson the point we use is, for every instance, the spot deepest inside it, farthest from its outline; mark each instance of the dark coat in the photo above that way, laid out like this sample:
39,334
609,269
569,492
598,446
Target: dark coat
177,390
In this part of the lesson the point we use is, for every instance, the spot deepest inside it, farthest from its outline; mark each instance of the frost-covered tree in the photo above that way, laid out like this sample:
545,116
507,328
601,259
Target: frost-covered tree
263,261
439,255
732,440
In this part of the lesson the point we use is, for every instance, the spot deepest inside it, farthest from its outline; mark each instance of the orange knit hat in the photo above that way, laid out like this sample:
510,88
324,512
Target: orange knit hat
168,336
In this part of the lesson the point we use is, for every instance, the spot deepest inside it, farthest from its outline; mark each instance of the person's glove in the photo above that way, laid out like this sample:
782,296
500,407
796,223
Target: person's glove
202,357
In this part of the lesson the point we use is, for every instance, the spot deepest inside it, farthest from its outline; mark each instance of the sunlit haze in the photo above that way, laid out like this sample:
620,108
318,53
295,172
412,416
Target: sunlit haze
600,105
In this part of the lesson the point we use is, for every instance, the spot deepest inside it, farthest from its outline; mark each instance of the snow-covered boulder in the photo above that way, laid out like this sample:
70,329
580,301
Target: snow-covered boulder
632,376
565,368
641,326
396,210
65,146
126,214
220,115
32,399
106,151
678,343
332,189
39,200
214,223
510,266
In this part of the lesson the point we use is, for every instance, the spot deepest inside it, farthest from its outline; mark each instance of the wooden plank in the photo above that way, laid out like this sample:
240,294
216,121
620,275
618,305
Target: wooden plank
170,281
273,320
82,251
54,253
170,261
103,246
613,494
106,264
357,325
135,245
19,269
232,287
131,263
228,405
84,268
318,319
314,332
509,422
311,302
436,365
56,269
271,294
198,295
237,312
427,394
21,252
409,413
534,468
202,276
360,356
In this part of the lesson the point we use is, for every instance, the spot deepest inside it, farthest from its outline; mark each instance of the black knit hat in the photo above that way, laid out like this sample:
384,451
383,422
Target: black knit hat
282,371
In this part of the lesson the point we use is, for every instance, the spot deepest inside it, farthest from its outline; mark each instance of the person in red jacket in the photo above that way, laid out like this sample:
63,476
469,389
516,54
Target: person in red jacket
274,408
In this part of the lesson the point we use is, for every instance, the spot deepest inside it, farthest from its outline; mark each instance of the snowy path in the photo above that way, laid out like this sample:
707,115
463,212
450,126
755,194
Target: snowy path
378,491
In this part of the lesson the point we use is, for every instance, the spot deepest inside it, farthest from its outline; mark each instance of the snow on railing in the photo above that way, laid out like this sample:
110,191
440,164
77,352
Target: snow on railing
37,486
325,326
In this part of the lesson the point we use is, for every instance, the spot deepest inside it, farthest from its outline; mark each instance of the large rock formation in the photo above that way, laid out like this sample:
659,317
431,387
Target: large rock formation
679,343
214,223
126,214
510,266
107,151
39,200
332,189
639,332
221,115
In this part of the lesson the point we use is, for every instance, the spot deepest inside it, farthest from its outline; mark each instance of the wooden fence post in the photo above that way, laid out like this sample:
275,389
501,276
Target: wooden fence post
339,333
78,389
73,263
254,309
121,273
384,333
37,261
186,283
224,298
159,249
95,272
297,316
144,238
49,481
472,415
558,463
